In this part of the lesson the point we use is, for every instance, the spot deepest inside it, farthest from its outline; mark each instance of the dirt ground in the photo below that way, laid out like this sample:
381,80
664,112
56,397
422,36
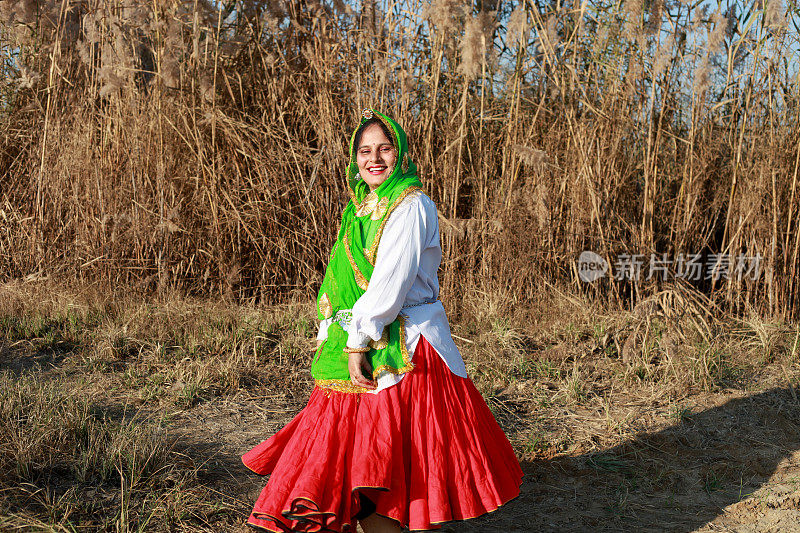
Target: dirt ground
604,445
731,463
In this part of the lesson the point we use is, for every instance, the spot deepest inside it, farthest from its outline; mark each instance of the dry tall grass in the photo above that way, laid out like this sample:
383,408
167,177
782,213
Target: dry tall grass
199,146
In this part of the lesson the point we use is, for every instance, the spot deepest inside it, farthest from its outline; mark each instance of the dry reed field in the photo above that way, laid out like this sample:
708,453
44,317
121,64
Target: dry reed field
200,146
171,180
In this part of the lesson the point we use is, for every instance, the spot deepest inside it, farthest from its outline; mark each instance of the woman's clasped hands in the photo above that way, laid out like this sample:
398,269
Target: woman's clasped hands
359,369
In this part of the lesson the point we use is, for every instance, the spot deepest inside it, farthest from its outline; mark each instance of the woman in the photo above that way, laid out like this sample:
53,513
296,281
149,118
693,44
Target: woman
394,434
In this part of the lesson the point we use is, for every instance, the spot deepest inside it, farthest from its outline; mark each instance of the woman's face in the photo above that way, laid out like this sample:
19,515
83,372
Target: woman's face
375,156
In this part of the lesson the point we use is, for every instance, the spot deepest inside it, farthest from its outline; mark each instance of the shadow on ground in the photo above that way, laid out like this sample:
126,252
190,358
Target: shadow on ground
678,479
23,357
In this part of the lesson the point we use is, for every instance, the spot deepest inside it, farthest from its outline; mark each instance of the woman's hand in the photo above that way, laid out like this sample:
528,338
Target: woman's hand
358,366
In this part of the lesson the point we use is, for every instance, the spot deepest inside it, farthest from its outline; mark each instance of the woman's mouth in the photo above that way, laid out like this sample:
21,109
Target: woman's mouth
376,170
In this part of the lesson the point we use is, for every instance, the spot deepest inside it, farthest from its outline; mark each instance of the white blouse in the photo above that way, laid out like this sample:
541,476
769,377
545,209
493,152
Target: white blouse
405,282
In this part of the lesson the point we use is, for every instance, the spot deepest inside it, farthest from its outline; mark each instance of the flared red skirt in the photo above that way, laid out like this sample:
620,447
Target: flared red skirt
425,451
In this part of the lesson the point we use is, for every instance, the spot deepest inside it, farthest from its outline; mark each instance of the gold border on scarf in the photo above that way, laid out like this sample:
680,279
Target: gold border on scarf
407,364
340,385
373,249
394,133
353,197
361,281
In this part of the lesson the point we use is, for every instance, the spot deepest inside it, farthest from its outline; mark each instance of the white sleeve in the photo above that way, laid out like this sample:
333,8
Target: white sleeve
407,233
322,334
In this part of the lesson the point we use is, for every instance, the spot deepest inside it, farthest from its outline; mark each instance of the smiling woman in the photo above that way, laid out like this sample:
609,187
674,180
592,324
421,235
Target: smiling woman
395,434
376,155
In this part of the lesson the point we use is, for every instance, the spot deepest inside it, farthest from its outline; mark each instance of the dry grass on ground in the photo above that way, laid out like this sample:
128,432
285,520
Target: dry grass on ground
120,413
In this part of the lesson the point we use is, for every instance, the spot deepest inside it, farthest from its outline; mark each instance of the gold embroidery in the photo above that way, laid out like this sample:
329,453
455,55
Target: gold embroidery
380,209
360,280
381,343
368,205
325,306
340,385
373,249
373,206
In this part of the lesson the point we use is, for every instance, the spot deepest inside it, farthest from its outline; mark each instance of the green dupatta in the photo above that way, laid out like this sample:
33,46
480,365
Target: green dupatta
351,264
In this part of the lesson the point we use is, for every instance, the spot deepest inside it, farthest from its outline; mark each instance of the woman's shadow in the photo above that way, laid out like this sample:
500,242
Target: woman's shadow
677,479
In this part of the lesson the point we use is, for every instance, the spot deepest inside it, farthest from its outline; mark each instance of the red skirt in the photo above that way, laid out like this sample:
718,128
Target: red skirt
425,451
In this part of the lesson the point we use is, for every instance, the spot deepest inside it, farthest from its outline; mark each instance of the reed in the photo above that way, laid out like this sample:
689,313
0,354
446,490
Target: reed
199,146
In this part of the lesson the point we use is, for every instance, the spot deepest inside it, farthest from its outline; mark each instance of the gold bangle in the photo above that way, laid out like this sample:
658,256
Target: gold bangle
365,349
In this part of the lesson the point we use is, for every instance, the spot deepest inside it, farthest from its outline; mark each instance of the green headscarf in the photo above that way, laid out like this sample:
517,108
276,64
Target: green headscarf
352,262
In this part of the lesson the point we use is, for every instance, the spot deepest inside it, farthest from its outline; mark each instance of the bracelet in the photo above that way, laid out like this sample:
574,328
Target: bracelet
365,349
